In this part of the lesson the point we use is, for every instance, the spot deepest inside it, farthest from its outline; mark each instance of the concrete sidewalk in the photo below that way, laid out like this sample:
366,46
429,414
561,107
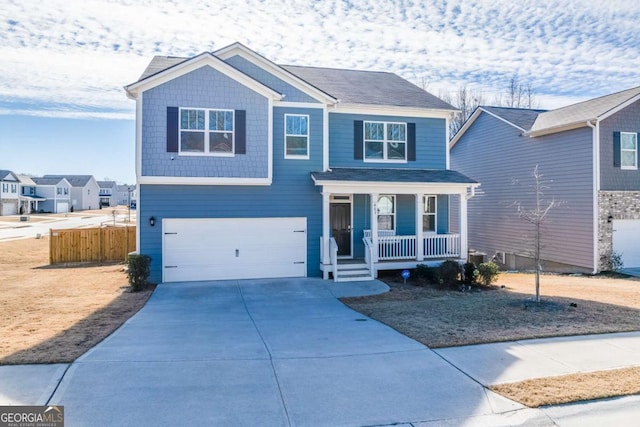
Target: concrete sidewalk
506,362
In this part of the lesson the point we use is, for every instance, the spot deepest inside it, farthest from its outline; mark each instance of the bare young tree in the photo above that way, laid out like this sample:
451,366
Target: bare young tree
536,216
519,95
466,100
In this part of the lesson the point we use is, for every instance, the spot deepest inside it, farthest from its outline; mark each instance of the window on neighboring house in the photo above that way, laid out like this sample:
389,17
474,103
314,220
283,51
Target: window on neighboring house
429,218
628,150
59,191
5,188
205,131
385,141
386,212
66,191
296,136
14,188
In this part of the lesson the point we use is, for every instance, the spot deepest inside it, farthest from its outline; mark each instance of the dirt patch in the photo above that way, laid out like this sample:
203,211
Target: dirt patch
54,315
572,388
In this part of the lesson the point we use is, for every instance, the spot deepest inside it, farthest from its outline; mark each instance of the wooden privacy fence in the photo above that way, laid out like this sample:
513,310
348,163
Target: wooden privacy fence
91,244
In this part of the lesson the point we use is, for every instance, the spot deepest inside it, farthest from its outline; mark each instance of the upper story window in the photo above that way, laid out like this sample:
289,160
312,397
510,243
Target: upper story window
5,188
628,150
386,212
429,219
59,191
296,136
206,131
385,141
14,188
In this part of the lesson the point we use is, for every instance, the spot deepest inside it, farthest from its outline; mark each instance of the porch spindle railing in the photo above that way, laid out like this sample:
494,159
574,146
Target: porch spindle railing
441,246
392,247
396,247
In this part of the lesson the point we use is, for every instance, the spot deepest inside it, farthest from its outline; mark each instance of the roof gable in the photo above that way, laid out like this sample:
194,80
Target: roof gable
7,175
177,67
577,115
281,72
51,180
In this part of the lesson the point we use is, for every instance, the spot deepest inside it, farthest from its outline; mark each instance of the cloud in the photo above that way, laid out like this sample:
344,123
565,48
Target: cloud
76,56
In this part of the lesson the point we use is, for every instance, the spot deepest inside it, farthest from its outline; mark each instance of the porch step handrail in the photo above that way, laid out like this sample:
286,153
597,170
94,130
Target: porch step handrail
333,253
368,248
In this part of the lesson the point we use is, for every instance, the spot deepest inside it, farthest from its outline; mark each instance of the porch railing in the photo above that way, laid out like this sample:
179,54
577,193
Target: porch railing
391,247
367,233
367,255
333,253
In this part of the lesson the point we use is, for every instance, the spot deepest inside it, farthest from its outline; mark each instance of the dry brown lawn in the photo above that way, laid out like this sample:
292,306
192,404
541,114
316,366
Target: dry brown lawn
571,305
443,317
54,314
572,388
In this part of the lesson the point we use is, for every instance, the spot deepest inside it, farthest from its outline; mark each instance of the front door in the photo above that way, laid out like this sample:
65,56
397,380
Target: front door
341,227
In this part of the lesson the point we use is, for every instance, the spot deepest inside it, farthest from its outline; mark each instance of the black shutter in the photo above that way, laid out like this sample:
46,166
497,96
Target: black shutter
358,139
411,142
616,149
172,129
241,132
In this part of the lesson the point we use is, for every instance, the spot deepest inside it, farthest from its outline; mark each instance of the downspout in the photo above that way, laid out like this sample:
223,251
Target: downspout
596,191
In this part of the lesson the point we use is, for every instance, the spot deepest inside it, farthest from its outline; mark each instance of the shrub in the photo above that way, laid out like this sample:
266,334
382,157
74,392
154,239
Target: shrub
138,271
450,272
471,273
488,272
430,274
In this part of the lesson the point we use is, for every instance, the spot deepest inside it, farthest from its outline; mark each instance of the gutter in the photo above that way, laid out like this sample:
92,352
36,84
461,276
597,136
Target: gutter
595,126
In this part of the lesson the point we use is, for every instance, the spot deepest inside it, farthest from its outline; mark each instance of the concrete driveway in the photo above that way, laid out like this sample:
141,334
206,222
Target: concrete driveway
269,353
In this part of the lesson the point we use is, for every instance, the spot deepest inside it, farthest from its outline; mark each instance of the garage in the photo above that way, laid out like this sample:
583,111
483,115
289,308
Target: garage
626,238
233,248
62,207
9,208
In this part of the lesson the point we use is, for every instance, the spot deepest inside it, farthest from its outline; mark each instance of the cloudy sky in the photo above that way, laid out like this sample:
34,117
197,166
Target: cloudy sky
63,63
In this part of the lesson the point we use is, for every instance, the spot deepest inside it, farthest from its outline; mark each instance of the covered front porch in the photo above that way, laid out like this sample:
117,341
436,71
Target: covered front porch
387,219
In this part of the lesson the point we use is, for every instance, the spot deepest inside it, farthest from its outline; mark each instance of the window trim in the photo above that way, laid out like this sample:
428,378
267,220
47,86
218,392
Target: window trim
634,167
385,142
207,133
308,135
393,214
434,214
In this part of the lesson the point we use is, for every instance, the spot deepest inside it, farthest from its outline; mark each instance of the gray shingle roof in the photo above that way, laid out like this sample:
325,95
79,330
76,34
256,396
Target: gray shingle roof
349,86
47,180
74,180
106,184
581,112
521,117
368,87
4,173
393,175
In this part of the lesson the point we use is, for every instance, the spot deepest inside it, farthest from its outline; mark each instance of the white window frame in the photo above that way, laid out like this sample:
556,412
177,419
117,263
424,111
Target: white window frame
14,188
59,191
207,133
635,151
5,187
385,142
297,156
434,214
393,214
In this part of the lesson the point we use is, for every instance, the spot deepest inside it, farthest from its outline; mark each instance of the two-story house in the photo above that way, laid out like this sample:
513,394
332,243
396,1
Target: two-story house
587,154
126,195
85,192
9,193
249,169
55,194
108,193
30,197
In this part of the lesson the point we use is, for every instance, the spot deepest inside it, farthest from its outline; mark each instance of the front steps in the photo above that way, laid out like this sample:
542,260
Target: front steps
352,272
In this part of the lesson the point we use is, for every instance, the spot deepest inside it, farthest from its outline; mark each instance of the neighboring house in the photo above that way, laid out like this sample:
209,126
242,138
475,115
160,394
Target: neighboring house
56,193
9,193
126,194
588,156
108,193
249,169
85,192
30,198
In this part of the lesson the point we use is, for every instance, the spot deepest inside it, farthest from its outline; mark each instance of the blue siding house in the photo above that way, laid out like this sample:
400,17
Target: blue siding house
249,169
588,156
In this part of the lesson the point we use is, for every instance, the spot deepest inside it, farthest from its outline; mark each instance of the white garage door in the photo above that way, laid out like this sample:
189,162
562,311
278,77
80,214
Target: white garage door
233,248
63,207
626,241
9,208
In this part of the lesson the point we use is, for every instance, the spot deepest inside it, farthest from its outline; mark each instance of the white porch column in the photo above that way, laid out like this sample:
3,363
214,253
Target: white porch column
374,227
464,245
419,240
326,232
